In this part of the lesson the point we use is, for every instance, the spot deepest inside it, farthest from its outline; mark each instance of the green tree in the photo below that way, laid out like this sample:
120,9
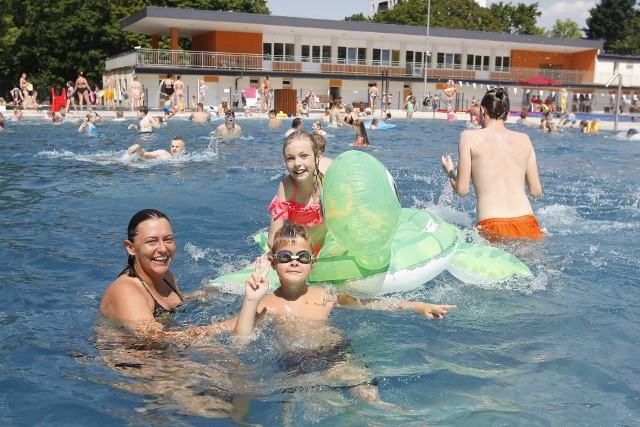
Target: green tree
52,40
615,21
566,29
358,17
518,19
452,14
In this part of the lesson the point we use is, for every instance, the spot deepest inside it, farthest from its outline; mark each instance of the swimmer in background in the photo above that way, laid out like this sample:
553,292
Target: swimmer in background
568,117
223,108
17,115
334,114
89,123
522,121
294,301
321,145
274,120
632,133
229,129
326,116
296,125
176,148
147,123
168,108
362,140
316,128
119,116
3,125
374,124
200,116
500,162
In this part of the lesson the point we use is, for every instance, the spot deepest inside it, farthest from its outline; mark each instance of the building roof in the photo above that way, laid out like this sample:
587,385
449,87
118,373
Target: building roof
159,20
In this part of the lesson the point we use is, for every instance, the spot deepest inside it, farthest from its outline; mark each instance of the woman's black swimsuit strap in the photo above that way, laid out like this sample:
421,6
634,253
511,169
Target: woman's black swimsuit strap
159,310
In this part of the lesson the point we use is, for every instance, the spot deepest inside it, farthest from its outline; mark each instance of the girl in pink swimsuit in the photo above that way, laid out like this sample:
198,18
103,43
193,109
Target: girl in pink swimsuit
298,196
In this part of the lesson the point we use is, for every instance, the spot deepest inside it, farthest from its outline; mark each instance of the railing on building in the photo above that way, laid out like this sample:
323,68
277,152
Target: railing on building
223,61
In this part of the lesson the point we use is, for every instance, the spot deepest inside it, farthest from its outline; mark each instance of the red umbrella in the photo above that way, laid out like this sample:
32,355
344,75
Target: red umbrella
540,81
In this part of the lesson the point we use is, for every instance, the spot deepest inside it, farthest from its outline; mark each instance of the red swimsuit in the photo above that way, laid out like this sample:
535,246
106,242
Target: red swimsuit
308,215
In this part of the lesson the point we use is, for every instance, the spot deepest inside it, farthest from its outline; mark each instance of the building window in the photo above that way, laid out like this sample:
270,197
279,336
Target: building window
326,54
449,61
477,63
311,53
502,63
280,51
386,57
352,55
267,52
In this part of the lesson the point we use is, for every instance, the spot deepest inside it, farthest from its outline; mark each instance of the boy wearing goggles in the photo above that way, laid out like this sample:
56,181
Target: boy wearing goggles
292,258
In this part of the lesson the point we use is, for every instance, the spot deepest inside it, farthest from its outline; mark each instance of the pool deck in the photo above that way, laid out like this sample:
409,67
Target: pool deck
607,125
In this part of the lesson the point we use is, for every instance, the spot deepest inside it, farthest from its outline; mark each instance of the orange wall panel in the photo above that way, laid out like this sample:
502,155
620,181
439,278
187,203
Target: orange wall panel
584,61
227,41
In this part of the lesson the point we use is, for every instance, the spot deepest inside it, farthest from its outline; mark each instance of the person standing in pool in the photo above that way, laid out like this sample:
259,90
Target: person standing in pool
146,292
147,123
500,162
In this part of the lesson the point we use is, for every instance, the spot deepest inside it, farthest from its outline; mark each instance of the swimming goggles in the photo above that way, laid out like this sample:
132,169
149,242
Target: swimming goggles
303,257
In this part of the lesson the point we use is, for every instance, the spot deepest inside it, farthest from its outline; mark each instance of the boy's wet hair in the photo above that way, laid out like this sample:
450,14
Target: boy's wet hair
289,234
496,103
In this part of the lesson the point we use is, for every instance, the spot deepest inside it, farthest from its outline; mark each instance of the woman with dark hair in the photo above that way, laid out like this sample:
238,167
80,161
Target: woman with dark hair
146,291
500,162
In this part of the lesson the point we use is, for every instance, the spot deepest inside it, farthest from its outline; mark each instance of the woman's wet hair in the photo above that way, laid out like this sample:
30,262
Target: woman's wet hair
496,104
132,232
290,233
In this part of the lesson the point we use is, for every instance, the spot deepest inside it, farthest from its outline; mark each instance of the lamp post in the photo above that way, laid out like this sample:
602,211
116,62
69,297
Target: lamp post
426,53
619,94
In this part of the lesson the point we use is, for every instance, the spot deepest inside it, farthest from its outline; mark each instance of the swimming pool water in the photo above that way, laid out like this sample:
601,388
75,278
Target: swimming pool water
559,348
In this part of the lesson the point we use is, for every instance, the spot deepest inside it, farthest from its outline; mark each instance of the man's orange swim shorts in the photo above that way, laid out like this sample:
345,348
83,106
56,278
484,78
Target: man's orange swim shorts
494,229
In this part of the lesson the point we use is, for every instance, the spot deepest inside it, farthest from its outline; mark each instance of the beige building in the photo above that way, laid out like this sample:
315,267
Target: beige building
342,59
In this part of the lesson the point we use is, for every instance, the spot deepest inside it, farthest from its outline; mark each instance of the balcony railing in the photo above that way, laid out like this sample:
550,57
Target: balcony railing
223,61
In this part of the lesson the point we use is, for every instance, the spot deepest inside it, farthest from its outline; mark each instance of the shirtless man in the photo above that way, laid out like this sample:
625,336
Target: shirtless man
81,89
109,92
373,96
147,123
179,87
200,116
500,162
228,130
176,148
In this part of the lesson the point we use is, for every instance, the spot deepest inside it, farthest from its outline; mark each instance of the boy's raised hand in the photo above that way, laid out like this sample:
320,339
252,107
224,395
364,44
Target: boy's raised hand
258,284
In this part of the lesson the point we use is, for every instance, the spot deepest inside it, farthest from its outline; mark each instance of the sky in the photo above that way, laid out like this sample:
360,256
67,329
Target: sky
577,11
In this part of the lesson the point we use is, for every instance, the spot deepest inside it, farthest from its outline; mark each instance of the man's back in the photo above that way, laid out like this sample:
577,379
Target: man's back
501,162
